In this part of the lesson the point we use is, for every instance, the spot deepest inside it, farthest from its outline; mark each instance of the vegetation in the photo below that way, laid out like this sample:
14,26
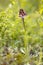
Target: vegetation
21,43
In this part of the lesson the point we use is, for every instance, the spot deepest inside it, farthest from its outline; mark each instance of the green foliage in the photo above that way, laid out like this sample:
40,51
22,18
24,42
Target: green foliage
12,31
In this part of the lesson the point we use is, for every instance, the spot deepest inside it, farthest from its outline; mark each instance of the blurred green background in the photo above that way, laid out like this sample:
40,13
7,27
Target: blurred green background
13,33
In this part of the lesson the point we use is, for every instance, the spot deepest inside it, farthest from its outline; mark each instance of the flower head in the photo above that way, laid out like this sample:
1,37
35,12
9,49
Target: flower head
22,13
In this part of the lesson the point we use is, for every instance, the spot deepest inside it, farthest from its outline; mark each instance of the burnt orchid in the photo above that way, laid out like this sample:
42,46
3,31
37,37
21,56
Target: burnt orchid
22,14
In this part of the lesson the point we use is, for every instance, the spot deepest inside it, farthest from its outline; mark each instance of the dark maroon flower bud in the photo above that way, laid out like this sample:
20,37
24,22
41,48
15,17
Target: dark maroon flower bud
22,13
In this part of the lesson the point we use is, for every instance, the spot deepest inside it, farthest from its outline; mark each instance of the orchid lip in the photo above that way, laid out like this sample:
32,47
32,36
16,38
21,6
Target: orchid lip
21,16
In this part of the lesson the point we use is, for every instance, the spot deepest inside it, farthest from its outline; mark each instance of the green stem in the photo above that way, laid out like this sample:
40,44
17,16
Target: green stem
26,42
24,24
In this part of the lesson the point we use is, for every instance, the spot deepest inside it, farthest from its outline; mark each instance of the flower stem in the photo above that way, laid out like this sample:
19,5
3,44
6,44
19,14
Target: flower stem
23,24
26,43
